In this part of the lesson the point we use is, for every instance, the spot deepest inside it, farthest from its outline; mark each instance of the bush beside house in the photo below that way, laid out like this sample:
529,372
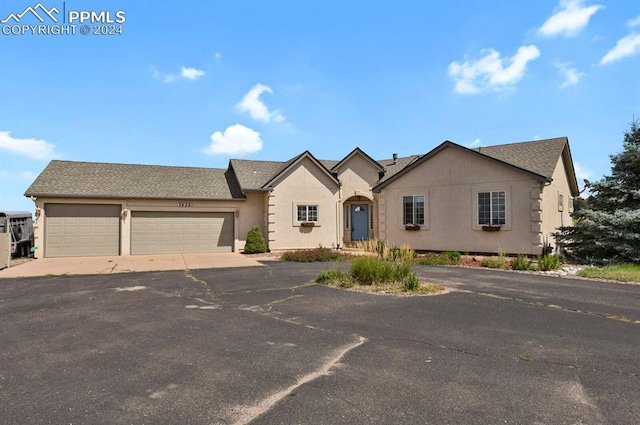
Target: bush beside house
255,242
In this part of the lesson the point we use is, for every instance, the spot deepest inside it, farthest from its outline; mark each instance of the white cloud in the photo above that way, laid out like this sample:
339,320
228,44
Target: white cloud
474,144
582,174
236,140
491,71
251,103
218,56
191,73
185,73
33,148
635,22
569,19
627,46
571,75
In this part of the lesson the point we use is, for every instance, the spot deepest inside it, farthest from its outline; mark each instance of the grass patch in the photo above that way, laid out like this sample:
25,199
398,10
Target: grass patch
622,272
373,274
314,255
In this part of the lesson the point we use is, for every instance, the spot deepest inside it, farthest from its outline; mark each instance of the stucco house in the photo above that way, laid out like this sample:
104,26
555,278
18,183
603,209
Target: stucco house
505,198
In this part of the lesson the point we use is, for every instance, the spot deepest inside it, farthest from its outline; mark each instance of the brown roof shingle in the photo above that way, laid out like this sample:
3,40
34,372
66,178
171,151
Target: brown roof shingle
105,180
538,156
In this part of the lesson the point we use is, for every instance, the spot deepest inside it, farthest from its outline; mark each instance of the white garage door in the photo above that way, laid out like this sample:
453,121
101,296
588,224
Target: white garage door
81,230
177,232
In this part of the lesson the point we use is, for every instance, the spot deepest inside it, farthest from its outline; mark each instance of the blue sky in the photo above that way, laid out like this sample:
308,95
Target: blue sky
196,83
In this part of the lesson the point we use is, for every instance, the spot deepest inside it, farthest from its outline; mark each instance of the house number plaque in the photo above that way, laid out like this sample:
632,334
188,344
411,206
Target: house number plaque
184,204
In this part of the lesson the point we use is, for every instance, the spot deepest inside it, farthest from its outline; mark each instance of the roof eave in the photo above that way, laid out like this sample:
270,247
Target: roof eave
151,198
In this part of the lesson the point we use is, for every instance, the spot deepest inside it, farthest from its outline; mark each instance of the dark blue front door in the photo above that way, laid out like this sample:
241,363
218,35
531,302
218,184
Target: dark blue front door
360,222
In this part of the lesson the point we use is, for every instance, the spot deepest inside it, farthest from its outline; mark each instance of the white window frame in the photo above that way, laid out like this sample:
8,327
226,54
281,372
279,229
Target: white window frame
476,205
413,201
307,206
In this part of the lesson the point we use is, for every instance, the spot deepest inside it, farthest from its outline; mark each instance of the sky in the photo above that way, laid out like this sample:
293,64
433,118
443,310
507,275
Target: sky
195,83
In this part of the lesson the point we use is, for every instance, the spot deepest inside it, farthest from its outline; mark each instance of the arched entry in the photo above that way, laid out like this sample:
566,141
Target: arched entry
358,218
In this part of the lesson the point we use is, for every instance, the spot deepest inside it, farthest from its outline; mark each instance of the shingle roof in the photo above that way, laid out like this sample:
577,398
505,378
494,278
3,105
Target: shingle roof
539,156
391,166
252,175
105,180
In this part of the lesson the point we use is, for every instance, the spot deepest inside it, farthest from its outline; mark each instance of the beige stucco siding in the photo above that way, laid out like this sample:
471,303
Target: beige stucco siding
304,184
555,215
252,206
357,176
251,213
450,182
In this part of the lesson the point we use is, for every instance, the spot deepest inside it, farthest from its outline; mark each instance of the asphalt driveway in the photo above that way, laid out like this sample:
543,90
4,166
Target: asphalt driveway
264,345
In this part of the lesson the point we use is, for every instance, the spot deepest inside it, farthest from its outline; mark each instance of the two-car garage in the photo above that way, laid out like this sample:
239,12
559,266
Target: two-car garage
78,230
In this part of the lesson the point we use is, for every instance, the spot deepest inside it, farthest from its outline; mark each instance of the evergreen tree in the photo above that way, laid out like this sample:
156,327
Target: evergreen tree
255,243
607,229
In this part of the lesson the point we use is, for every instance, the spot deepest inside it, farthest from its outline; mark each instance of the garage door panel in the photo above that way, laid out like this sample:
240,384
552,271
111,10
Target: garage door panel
181,232
73,230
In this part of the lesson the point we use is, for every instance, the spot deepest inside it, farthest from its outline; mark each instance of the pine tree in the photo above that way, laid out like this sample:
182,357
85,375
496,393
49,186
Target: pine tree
608,228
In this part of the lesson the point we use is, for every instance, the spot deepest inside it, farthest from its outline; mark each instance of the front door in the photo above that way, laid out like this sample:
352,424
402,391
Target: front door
360,222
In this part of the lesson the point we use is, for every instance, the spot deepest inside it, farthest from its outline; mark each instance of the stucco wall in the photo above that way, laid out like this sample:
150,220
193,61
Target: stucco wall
251,213
450,181
305,184
552,216
357,176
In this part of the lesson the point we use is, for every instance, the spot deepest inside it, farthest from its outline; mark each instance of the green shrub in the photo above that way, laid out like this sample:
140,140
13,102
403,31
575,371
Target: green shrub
313,255
495,263
335,277
521,262
255,243
370,270
450,258
549,262
411,283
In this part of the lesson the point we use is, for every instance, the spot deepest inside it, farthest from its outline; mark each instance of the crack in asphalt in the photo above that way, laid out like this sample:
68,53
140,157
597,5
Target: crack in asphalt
555,306
518,357
247,414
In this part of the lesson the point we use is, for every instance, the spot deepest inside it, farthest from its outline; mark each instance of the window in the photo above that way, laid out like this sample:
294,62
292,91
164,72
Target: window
347,223
413,209
492,208
307,213
560,202
371,217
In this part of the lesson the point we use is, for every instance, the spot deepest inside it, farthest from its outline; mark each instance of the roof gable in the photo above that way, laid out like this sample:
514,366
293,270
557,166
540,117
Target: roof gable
292,163
358,151
445,145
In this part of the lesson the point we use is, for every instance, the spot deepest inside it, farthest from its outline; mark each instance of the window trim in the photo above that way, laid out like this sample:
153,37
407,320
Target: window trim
476,225
297,204
424,224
